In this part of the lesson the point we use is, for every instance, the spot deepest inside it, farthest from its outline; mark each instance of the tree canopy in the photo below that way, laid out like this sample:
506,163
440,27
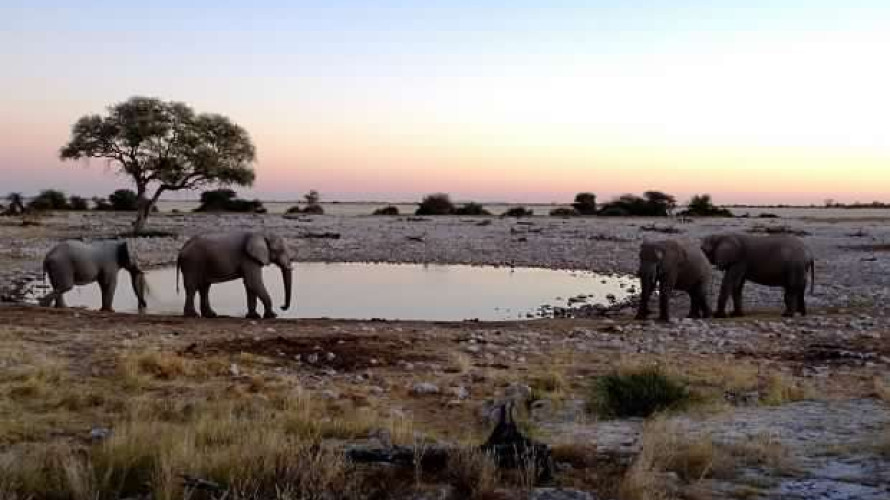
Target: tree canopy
164,146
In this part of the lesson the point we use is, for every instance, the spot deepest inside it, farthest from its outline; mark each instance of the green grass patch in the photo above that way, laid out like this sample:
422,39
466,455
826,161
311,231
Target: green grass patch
636,394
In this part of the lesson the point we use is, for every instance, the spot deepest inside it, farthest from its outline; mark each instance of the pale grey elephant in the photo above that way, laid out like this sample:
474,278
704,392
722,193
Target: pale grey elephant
73,263
777,261
674,265
205,260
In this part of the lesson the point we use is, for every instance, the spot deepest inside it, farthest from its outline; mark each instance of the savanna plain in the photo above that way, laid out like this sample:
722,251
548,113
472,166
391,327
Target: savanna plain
104,406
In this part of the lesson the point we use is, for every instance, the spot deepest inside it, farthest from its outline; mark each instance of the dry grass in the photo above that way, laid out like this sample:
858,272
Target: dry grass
251,447
777,389
471,472
693,458
882,388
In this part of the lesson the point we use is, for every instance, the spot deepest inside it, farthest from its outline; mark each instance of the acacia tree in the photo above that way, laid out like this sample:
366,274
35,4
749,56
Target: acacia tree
164,146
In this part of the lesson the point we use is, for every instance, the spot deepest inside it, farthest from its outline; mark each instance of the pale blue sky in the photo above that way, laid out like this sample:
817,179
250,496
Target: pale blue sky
394,98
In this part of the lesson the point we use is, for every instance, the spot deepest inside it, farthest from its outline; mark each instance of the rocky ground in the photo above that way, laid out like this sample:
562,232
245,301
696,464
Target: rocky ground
794,404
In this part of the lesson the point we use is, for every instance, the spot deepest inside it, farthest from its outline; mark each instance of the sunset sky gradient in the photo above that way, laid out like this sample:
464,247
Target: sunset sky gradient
488,100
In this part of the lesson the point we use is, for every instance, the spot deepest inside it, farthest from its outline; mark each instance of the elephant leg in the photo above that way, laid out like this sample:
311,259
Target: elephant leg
801,301
253,281
790,302
725,289
251,304
738,309
694,305
664,303
60,287
643,307
108,286
702,294
189,310
206,310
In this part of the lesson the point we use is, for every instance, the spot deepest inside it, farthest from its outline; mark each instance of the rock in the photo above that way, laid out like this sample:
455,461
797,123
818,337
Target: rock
312,358
234,370
376,390
460,392
518,392
424,388
559,494
99,433
328,394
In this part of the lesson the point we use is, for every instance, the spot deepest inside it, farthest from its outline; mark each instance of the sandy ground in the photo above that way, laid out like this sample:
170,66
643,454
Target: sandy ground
831,366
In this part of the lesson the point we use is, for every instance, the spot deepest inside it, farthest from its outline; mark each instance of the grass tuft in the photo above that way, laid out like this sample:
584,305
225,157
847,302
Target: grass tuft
636,394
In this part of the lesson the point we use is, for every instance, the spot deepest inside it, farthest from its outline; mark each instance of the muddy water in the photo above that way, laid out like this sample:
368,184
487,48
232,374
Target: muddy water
387,291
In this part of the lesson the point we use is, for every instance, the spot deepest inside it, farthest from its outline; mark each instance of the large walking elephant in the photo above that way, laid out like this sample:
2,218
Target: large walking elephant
777,261
205,260
674,265
73,263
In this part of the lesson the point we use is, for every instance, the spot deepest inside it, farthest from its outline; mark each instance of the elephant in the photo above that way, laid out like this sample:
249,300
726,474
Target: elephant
775,260
674,265
205,260
73,263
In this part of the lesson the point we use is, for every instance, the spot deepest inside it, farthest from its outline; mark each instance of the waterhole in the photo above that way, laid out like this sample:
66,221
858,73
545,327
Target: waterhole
387,291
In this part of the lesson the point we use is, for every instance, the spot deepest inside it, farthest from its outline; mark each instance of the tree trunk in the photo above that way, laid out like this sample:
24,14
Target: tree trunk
144,207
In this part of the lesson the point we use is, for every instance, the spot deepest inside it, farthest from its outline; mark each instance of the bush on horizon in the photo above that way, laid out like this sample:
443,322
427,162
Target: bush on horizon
651,204
563,212
123,200
701,206
471,208
387,210
226,200
50,199
313,204
585,203
518,212
78,203
435,204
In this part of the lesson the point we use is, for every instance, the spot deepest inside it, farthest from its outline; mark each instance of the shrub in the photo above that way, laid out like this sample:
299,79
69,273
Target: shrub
388,210
563,212
313,203
518,212
78,203
435,204
471,209
637,394
226,200
313,210
701,206
49,199
585,203
16,204
651,204
123,200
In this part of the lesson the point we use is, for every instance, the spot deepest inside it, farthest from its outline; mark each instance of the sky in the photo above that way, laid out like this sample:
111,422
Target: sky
752,101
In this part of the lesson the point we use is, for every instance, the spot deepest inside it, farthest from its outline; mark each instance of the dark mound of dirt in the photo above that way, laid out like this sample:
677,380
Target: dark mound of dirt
340,352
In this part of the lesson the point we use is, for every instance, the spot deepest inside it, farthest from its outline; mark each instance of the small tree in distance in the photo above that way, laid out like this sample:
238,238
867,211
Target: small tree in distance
701,206
123,200
164,146
50,199
435,204
585,203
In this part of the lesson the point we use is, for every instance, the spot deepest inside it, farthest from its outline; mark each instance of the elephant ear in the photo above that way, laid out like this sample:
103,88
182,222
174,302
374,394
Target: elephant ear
258,249
727,252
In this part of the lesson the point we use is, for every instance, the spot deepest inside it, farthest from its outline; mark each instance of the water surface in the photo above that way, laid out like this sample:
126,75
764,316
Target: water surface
386,291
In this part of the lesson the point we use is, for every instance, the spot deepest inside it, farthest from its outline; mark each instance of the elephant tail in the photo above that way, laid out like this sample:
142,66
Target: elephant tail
813,277
177,276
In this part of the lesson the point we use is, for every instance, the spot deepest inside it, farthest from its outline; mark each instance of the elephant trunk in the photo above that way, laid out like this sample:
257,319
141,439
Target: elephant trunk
287,276
139,288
